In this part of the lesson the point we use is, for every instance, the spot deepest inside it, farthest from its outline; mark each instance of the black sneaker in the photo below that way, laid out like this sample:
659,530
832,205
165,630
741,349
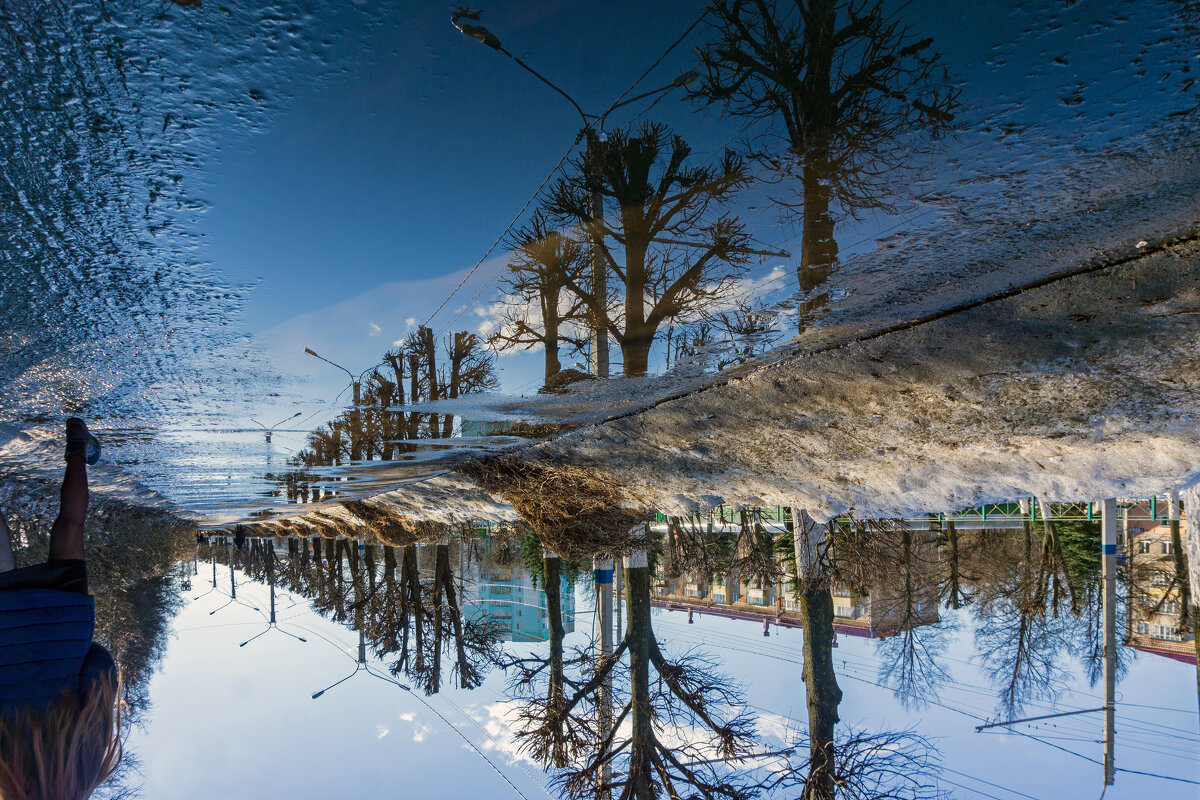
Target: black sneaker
81,442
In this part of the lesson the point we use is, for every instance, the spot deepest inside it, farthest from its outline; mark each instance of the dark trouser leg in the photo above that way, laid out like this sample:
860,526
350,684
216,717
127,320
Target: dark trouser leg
6,551
66,537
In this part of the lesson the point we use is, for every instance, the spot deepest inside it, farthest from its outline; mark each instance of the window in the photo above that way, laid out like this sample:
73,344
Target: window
1165,632
1143,628
844,611
1143,548
1166,548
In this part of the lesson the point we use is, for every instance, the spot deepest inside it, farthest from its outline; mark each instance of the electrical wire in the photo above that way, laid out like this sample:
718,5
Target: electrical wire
588,126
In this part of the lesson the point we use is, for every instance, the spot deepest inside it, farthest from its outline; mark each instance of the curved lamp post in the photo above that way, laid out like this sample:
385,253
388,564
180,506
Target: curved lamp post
361,665
355,381
465,19
271,429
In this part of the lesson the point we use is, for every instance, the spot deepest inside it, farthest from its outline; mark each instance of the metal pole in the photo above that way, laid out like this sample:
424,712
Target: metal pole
602,576
1108,517
599,270
617,591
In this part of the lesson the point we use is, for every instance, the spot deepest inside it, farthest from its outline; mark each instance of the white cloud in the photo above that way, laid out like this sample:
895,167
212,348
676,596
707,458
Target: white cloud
381,731
420,732
375,329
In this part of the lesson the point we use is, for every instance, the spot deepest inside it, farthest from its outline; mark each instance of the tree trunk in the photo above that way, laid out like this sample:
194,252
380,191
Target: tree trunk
550,573
638,631
820,680
638,335
356,434
955,600
447,585
818,247
635,349
550,331
1181,572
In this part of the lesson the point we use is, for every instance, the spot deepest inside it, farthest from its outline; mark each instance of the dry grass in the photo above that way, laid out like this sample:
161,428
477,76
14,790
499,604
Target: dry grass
574,514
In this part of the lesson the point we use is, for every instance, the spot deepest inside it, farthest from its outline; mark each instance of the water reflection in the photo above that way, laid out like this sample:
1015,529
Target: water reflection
850,93
995,214
649,713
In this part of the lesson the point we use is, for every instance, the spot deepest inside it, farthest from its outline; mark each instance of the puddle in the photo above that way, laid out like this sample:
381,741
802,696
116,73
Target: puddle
384,314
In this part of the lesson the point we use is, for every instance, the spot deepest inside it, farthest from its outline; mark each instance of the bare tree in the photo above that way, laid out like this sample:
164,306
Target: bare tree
847,83
475,640
887,765
543,261
671,245
812,543
638,756
375,427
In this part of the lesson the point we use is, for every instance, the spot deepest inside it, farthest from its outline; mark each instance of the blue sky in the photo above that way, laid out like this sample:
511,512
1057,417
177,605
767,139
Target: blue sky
223,713
361,201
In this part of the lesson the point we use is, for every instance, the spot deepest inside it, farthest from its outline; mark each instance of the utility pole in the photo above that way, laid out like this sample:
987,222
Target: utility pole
466,20
599,270
602,576
618,591
1108,517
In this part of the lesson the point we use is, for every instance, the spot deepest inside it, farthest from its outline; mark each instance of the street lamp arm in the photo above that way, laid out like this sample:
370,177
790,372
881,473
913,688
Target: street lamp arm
327,361
285,419
546,81
683,80
484,36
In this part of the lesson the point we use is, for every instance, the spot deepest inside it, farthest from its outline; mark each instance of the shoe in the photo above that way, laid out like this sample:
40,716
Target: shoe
81,442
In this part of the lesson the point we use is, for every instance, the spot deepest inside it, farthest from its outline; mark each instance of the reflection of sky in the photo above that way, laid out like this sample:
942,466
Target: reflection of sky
239,722
330,171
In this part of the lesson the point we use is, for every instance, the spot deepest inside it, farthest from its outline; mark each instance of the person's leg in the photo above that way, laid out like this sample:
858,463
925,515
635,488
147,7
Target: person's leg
7,561
66,536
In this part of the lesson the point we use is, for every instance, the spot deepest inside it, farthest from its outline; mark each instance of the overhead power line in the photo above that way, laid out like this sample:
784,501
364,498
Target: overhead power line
587,127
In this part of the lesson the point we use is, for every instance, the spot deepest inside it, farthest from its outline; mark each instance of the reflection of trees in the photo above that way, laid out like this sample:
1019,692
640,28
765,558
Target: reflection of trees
906,567
847,84
642,754
475,640
543,263
671,245
888,765
1038,607
677,727
709,545
555,736
416,619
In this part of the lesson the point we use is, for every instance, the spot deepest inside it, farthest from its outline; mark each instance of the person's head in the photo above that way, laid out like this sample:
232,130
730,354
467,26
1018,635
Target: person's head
65,751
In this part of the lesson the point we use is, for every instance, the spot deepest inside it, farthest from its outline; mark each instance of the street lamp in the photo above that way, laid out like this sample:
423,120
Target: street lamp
271,429
354,381
361,665
232,584
593,125
271,623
